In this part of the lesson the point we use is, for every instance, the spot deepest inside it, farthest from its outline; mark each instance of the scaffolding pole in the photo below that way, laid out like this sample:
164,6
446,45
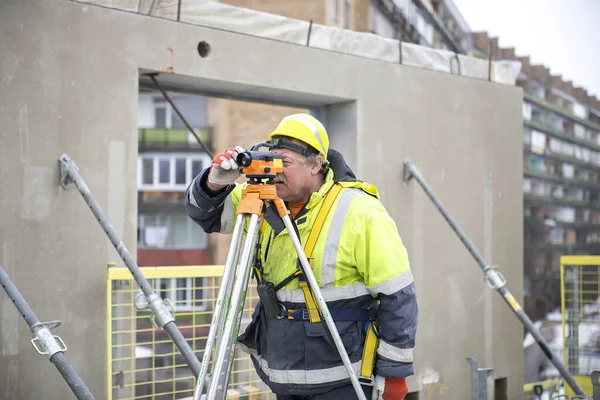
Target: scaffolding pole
493,279
44,341
163,310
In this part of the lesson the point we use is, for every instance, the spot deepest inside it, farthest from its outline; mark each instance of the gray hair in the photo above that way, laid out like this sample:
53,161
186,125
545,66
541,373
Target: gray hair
313,161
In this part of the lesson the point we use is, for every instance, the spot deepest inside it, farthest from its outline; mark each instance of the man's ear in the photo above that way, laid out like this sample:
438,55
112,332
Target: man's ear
317,168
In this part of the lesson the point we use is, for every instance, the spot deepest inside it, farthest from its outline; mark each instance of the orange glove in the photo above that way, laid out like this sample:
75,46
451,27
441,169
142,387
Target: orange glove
224,169
389,388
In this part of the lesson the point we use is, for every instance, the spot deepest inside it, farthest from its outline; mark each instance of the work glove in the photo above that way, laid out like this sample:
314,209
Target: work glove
389,388
224,170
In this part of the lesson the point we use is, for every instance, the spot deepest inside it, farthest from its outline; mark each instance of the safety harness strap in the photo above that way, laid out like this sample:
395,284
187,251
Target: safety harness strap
369,351
309,297
318,225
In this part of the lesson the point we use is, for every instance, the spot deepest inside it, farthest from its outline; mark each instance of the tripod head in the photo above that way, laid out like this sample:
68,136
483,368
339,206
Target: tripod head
260,167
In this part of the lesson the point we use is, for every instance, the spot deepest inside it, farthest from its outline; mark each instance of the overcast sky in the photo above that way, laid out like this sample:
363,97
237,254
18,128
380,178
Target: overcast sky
564,35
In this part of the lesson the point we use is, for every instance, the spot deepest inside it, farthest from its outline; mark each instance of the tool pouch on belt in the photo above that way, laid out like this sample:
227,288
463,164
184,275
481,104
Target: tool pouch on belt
268,297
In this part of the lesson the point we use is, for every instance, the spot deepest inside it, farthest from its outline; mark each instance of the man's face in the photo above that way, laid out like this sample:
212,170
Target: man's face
298,179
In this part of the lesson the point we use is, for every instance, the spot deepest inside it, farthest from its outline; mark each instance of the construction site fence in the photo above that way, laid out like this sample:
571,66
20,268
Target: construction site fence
143,363
580,309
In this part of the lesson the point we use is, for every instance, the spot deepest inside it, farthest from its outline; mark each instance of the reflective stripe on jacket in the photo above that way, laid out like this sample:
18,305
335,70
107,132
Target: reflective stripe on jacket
358,256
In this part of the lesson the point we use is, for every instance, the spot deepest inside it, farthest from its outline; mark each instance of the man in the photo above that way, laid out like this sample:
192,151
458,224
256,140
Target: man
358,260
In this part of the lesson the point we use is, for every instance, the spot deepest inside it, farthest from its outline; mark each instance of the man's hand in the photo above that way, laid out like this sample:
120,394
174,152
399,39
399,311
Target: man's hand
389,388
224,170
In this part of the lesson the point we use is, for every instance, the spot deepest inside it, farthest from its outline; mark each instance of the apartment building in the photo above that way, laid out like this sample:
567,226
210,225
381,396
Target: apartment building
169,157
561,177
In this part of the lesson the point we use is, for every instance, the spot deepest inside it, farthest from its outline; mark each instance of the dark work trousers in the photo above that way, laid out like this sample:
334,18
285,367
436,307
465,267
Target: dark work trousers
341,393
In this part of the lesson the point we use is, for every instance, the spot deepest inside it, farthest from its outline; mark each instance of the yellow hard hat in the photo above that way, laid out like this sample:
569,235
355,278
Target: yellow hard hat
305,128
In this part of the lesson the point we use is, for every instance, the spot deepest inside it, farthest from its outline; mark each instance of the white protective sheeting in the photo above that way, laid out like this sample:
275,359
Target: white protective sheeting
221,16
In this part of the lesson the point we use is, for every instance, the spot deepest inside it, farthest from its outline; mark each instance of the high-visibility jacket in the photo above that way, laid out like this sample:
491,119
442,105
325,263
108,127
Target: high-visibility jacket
358,257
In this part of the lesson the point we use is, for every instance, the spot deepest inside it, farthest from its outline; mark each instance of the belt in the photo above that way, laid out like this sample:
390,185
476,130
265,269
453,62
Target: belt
338,314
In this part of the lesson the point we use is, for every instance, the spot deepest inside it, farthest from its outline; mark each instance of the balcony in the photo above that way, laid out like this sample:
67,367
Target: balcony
584,226
550,201
559,157
560,111
558,179
173,139
542,127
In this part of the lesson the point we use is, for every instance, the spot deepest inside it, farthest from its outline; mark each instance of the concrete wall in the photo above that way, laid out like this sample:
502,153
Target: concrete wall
69,80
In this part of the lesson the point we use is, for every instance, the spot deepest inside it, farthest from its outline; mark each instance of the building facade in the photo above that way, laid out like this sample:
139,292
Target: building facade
561,177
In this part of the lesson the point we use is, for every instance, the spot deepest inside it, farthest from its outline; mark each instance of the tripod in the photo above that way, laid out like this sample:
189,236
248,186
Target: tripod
260,168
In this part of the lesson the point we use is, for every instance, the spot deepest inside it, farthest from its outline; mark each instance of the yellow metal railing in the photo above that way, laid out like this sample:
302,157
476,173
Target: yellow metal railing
580,306
143,363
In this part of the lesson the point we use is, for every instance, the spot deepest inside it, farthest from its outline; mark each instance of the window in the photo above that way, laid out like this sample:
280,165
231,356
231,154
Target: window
538,115
380,25
537,89
555,121
579,131
180,169
186,294
147,171
346,14
160,113
538,142
527,137
526,111
568,171
169,172
334,10
193,107
526,185
170,231
536,164
164,170
196,168
580,110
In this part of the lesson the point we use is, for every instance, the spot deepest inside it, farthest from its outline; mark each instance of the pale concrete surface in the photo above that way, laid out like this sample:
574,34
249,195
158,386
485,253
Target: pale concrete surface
69,78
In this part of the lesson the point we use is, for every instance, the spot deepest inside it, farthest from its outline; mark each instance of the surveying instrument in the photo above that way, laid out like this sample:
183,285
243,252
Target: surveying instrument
261,168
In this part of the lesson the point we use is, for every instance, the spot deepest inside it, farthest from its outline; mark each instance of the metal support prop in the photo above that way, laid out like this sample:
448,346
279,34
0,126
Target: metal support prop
230,302
44,341
493,279
162,309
